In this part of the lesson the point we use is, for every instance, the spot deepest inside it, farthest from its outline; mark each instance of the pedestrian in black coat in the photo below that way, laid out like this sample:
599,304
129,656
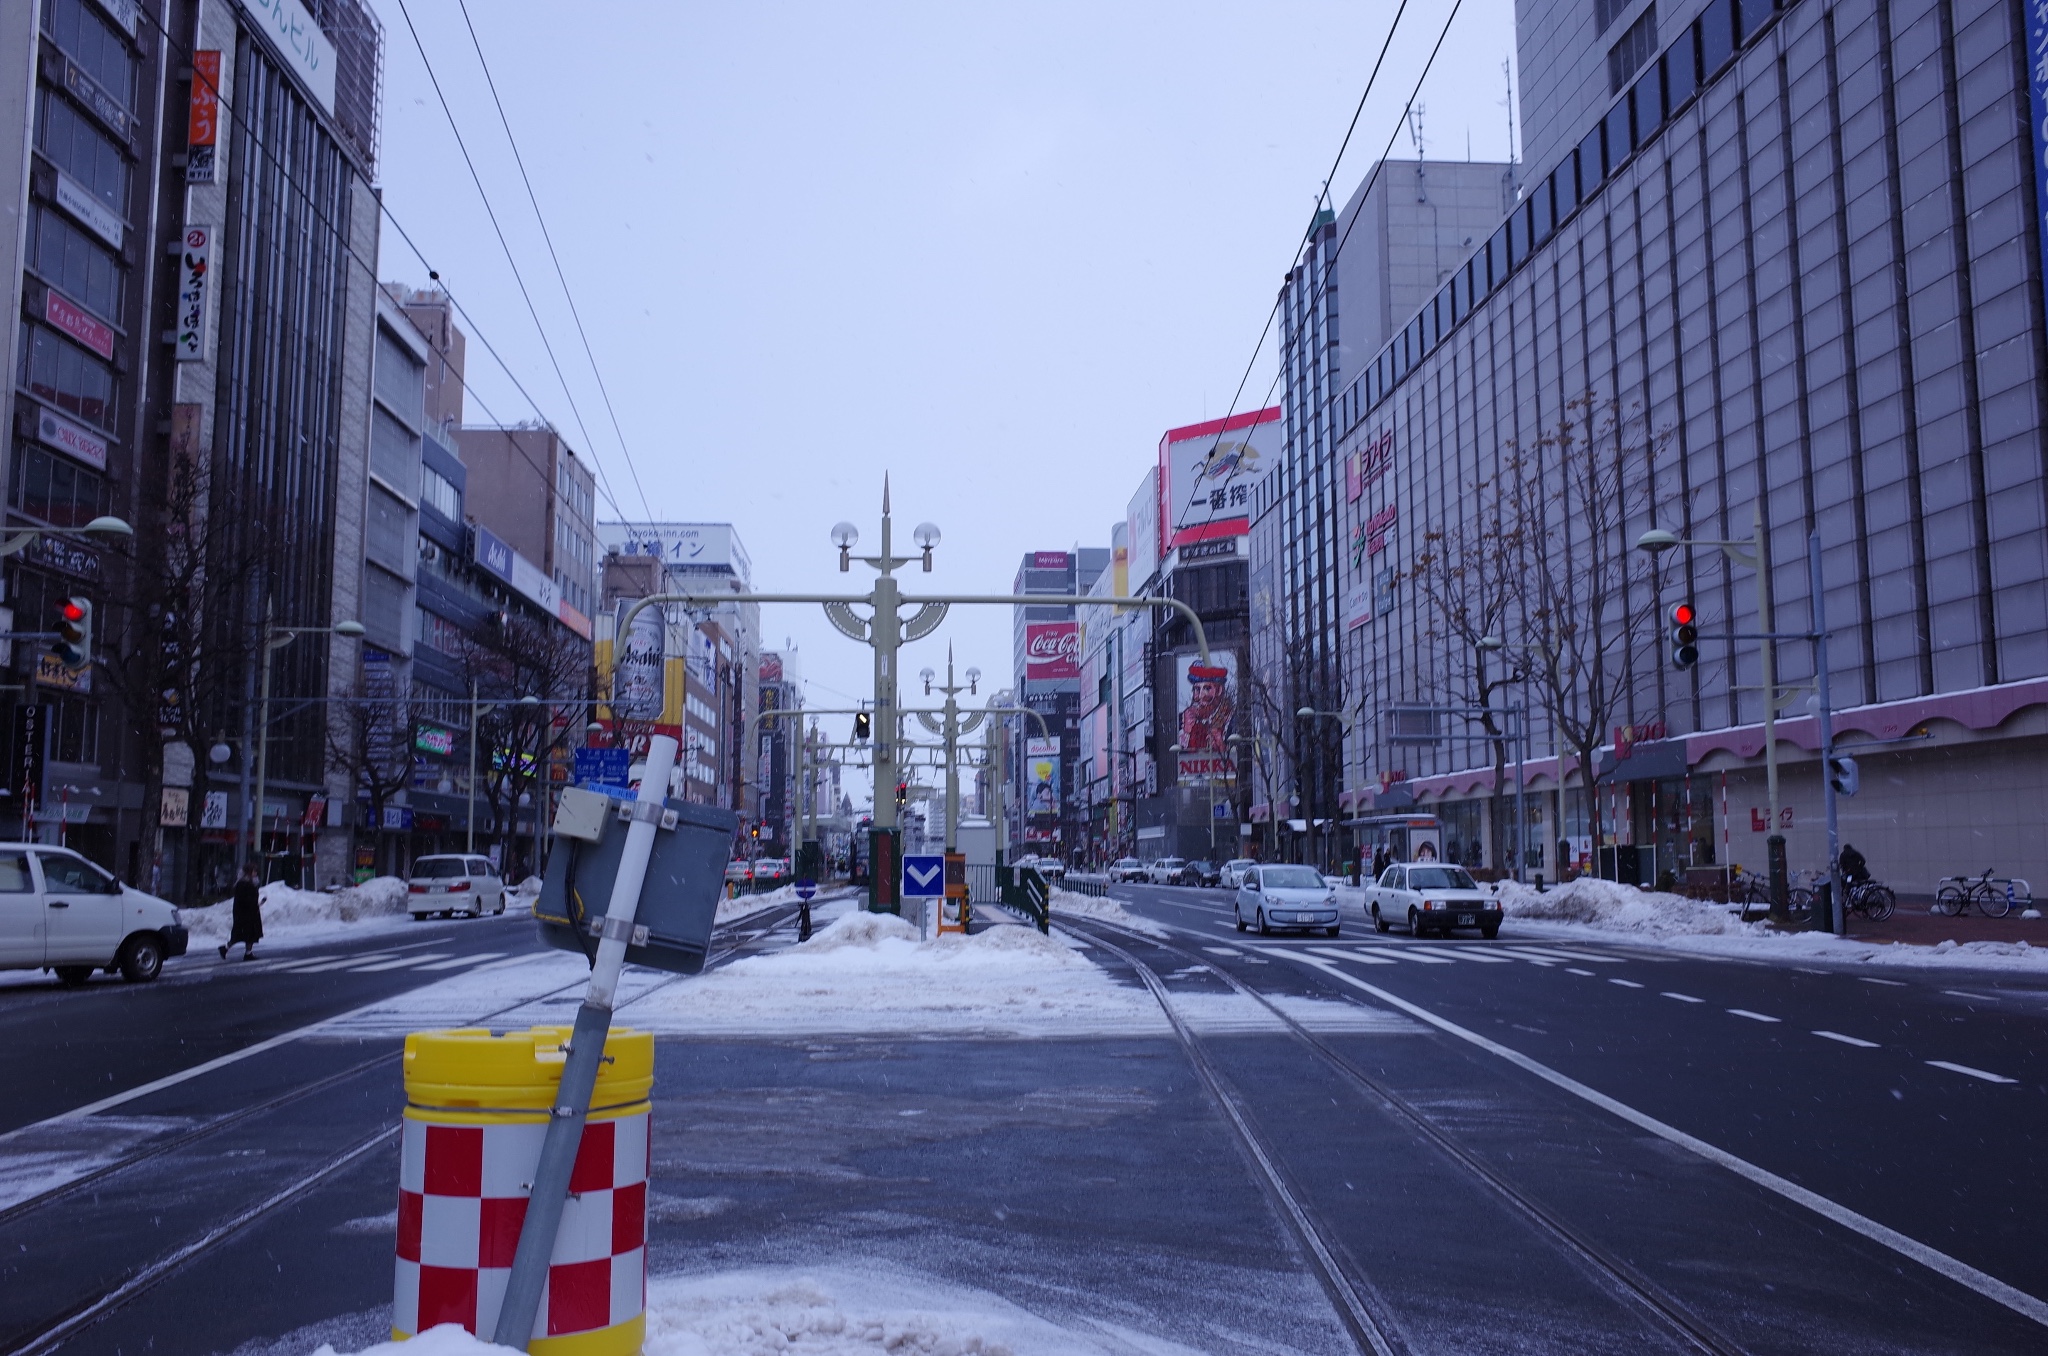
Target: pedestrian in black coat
248,926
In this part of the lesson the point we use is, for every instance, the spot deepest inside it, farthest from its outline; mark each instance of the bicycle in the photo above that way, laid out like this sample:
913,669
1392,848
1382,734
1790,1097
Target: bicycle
1994,896
1872,900
1746,888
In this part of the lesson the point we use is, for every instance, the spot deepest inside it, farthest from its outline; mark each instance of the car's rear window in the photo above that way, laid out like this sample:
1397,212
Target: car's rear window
1290,878
1439,878
437,868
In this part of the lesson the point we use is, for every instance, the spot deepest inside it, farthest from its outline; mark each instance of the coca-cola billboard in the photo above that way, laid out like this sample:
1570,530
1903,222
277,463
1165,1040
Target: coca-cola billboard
1052,651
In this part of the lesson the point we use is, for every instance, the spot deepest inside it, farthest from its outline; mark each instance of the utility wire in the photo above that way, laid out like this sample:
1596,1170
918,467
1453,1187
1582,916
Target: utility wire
369,267
506,245
560,276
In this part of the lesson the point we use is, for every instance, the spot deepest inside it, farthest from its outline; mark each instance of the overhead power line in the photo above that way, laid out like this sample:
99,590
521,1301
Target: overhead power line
560,276
539,326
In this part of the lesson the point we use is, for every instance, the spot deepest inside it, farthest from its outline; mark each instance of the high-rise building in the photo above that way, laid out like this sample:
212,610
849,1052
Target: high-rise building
191,218
1046,651
1783,263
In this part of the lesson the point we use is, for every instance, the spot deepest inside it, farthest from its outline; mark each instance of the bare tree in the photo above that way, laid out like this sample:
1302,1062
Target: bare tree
1471,577
371,739
1567,506
512,657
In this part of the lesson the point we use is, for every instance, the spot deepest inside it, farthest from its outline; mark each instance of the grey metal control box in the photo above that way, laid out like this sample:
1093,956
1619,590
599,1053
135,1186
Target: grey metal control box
678,903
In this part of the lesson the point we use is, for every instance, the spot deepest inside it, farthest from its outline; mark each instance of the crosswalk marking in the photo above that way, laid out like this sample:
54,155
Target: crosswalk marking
1480,956
1361,957
401,963
1559,953
461,961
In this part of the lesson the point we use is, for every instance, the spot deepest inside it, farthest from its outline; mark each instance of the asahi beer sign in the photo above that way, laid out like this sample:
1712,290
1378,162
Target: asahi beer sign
637,669
1052,651
1207,693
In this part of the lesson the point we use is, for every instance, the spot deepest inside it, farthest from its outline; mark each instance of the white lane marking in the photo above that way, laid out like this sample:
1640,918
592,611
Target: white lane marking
1362,957
1753,1016
402,962
460,961
1575,970
1872,979
1625,983
1223,951
1856,1041
1559,953
1964,993
1681,997
1984,1074
1985,1284
1464,955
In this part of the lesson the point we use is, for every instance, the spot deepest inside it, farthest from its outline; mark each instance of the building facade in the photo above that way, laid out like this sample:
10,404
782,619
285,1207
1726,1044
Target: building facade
1784,276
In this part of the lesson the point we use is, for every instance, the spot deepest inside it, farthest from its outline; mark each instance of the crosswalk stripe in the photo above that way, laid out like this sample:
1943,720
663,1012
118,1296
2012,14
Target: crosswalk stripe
1559,953
401,963
1380,955
461,961
1473,955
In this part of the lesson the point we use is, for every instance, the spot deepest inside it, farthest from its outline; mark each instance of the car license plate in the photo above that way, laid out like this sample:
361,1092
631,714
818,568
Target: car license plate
1464,920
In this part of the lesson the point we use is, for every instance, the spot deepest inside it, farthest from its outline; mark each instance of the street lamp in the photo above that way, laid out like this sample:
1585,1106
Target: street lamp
275,638
104,526
1493,645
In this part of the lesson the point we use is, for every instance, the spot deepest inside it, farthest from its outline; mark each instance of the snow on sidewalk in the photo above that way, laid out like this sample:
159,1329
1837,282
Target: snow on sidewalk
1599,910
828,1311
292,915
1067,903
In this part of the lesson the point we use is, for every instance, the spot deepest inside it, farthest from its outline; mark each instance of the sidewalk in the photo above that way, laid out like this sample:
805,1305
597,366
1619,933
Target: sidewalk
1916,925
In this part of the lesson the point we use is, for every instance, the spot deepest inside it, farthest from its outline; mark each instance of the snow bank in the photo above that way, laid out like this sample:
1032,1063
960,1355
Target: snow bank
1607,911
1067,903
827,1312
740,906
869,973
290,913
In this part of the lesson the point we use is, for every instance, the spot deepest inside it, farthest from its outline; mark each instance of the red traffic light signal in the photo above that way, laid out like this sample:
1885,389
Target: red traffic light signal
73,647
1685,635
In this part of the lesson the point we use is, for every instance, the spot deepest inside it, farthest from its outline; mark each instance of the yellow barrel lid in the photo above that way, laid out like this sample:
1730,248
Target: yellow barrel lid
476,1067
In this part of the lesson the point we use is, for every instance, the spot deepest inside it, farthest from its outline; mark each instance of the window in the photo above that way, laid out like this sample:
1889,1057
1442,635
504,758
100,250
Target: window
73,262
390,538
14,873
395,454
438,492
75,730
64,374
1681,71
81,150
94,45
1637,45
53,488
1593,162
400,379
1717,38
1605,12
1754,15
69,875
1620,139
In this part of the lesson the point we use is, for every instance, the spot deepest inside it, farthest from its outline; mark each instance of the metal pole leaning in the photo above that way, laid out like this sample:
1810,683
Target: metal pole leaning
585,1052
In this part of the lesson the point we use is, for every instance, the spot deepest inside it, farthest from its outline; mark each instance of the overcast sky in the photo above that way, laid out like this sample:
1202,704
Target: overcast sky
993,251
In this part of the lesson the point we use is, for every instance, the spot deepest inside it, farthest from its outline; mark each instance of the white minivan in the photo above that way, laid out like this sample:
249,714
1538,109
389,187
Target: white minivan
453,883
60,912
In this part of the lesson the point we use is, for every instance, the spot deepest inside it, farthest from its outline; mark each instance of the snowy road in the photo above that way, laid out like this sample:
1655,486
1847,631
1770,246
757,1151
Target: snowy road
1495,1146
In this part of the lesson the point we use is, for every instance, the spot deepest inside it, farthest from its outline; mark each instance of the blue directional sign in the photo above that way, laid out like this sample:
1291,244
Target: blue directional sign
602,767
805,889
924,877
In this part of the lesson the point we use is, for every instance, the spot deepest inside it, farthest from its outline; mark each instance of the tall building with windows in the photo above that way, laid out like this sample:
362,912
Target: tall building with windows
1791,255
556,528
189,195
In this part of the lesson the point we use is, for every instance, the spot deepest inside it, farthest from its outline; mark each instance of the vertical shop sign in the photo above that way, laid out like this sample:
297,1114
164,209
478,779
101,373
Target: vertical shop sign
195,263
2037,84
202,118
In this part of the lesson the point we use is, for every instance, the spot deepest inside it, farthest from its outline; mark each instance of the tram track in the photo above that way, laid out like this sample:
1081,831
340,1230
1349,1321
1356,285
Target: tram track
1357,1303
51,1330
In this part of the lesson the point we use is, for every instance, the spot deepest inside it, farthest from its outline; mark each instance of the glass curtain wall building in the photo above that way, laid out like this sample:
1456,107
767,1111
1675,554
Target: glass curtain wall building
1788,275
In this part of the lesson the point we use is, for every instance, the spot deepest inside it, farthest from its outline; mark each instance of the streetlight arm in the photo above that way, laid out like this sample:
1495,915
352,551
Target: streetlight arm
1075,600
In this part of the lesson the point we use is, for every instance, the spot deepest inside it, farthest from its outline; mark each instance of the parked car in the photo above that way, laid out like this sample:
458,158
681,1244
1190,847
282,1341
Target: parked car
1284,895
1166,871
771,868
452,883
1233,871
1127,868
739,872
1430,897
60,912
1200,873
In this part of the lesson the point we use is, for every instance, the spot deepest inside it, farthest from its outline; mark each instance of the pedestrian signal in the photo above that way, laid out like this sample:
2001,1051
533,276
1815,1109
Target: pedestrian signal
74,634
1685,636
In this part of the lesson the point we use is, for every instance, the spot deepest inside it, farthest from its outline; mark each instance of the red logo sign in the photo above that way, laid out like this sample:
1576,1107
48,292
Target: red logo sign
202,113
1052,651
79,323
1049,560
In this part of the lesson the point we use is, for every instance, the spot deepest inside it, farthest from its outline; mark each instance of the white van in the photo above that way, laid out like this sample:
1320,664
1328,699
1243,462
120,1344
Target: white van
60,912
453,883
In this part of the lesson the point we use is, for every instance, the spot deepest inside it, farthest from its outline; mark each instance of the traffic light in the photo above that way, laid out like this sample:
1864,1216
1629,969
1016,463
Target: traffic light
902,794
757,833
862,726
74,634
1844,774
1685,636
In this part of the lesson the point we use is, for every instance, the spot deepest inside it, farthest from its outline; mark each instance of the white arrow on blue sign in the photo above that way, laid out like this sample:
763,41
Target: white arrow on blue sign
924,877
805,889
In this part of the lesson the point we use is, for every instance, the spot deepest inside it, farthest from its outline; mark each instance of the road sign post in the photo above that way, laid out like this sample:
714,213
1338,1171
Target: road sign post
924,879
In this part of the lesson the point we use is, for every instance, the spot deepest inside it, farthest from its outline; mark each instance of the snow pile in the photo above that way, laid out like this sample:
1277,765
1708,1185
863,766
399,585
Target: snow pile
870,1312
1069,904
1614,907
289,912
740,906
869,973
